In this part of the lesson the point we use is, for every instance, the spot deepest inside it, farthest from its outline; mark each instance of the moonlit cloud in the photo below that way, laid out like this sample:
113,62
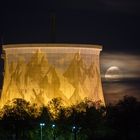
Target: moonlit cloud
128,64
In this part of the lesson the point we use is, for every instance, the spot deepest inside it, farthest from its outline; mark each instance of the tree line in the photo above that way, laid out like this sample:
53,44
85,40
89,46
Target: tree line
20,120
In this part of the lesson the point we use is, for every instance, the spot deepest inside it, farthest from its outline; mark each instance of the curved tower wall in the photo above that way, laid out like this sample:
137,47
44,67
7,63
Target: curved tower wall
41,72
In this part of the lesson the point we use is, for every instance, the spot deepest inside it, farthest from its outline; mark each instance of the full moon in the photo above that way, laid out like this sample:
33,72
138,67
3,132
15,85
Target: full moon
113,73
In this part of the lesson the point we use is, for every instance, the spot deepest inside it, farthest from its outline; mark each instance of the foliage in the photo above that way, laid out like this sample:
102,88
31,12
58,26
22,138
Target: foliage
19,109
21,120
124,117
54,107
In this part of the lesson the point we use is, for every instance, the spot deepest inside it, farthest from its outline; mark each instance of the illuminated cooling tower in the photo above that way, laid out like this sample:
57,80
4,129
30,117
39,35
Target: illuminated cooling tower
41,72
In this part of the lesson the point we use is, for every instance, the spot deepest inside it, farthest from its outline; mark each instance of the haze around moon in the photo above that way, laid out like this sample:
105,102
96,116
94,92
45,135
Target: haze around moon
113,73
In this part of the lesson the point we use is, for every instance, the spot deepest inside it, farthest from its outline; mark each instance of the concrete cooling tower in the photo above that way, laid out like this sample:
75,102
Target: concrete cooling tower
40,72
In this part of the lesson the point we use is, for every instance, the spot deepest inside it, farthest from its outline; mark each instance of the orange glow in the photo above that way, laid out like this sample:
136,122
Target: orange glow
40,72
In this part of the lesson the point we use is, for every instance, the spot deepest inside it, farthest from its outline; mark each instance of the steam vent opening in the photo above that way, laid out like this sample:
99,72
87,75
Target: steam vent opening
40,72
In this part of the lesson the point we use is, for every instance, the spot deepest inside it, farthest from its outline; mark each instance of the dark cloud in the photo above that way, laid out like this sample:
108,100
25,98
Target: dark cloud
130,6
100,5
114,92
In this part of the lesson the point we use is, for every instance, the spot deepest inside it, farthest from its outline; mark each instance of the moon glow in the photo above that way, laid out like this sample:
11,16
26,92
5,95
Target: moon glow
113,73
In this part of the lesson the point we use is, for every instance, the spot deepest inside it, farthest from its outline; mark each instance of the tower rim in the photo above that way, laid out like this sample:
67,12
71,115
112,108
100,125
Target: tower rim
51,45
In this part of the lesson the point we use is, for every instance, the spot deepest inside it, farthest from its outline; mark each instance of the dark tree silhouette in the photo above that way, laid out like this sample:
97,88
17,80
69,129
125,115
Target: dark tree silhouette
17,117
85,121
124,117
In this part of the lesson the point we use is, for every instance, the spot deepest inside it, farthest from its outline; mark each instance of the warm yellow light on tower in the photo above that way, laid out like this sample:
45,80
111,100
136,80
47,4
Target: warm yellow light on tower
41,72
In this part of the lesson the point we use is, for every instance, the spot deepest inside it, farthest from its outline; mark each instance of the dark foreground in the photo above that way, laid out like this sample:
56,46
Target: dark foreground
86,121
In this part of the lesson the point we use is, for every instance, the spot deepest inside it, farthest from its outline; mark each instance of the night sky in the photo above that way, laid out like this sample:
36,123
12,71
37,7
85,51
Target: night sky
115,24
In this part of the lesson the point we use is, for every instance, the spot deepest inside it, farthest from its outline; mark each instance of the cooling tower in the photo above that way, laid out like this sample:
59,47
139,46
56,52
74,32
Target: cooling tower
40,72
